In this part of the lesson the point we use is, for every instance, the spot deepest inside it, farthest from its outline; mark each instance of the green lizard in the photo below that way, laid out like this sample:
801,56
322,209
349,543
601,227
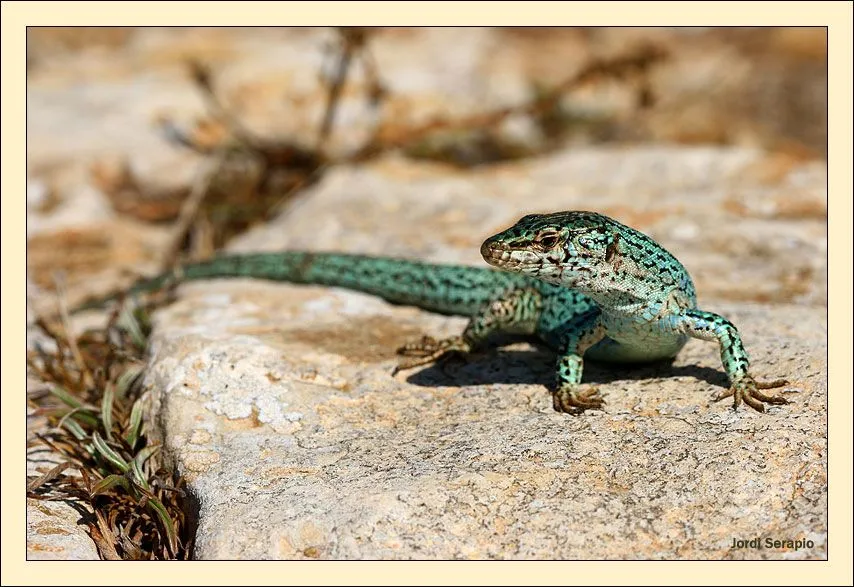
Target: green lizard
585,284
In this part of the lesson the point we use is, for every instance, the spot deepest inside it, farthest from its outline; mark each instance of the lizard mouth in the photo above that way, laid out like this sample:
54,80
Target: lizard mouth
494,253
501,256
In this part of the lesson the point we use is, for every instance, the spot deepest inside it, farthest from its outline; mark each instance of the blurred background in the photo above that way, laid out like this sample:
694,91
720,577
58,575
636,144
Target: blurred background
150,146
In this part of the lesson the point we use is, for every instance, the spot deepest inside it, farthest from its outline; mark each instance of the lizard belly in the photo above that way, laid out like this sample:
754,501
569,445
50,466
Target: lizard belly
629,340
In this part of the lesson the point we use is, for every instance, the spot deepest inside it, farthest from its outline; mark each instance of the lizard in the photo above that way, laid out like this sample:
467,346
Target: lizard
586,285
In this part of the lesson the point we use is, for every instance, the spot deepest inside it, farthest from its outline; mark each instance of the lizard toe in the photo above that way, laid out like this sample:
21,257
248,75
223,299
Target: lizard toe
747,389
421,348
429,350
575,400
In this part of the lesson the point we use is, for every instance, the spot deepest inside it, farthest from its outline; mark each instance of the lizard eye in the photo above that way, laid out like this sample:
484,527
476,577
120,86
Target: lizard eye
548,239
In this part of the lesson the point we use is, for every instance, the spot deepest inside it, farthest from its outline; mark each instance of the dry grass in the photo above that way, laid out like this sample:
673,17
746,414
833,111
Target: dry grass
135,506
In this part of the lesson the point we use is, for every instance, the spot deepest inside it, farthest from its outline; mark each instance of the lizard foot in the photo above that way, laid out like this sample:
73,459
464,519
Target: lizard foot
572,400
429,350
747,389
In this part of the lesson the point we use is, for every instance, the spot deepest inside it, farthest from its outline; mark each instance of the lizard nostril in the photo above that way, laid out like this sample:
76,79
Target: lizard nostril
492,248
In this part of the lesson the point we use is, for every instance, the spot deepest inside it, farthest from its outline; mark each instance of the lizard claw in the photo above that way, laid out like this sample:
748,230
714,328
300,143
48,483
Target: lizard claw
429,350
747,389
572,400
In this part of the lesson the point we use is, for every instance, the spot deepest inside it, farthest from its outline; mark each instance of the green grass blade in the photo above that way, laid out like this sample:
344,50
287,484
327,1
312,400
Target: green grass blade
146,453
129,322
109,482
69,399
139,460
65,416
169,526
134,425
74,428
66,397
139,476
107,410
108,453
85,417
126,379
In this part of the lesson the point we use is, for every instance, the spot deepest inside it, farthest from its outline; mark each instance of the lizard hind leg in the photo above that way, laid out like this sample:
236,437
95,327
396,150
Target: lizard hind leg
516,310
429,350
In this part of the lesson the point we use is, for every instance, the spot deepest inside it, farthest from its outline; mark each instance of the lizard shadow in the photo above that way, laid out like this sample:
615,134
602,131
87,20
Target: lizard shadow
537,366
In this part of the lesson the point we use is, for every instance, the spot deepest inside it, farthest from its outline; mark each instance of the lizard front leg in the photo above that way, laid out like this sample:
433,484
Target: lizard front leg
743,387
516,311
576,336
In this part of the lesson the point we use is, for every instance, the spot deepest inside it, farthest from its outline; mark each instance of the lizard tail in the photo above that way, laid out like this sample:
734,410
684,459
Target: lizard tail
446,289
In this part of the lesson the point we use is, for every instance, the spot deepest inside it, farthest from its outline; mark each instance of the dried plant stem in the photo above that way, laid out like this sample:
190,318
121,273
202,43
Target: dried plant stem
66,327
190,211
618,67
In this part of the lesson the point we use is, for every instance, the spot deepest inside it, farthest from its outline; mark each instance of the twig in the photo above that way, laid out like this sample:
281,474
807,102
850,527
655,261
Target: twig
190,211
175,135
104,538
287,197
619,67
71,340
45,477
350,41
202,77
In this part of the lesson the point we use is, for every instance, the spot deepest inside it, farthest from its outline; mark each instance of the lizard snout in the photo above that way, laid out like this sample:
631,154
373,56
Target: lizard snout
489,248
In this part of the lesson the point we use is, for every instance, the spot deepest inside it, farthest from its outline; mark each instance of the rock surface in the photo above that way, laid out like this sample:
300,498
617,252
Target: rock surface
278,404
54,533
55,529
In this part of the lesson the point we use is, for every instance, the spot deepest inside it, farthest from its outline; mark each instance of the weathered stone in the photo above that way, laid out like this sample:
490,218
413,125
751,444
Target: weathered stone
295,437
278,404
55,529
54,532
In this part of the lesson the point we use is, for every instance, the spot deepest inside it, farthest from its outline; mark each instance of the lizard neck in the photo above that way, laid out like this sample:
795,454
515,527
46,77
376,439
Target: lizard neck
657,306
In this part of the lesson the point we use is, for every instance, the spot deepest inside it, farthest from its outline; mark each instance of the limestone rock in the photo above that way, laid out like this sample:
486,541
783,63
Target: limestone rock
55,529
277,400
54,533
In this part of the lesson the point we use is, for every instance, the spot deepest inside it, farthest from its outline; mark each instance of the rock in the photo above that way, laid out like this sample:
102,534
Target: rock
55,529
277,402
54,532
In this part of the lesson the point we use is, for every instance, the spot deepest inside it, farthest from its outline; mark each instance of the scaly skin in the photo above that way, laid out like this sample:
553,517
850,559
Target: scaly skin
583,283
645,303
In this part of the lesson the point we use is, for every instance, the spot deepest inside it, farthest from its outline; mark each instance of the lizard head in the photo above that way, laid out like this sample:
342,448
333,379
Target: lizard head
570,248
